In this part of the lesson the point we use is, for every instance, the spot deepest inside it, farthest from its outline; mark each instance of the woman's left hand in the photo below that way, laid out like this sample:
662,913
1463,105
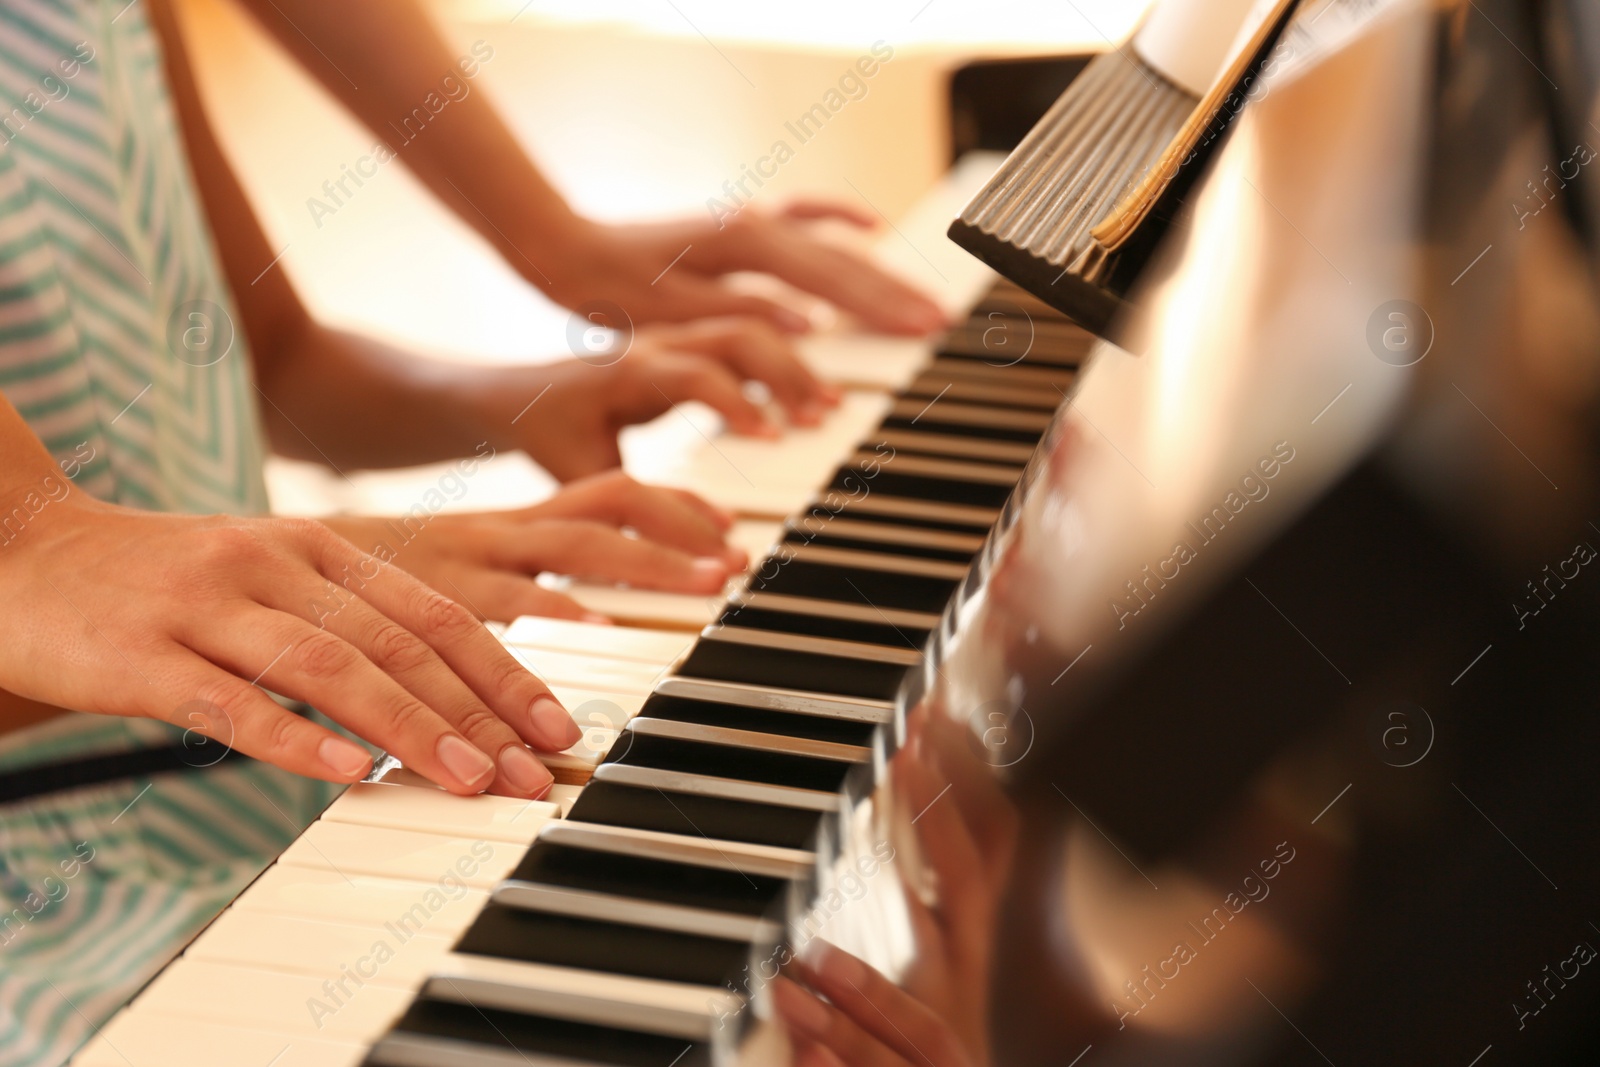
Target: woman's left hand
487,561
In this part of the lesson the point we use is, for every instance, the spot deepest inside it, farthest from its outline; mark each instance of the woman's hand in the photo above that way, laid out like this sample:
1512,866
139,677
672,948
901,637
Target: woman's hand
190,620
487,561
673,271
572,430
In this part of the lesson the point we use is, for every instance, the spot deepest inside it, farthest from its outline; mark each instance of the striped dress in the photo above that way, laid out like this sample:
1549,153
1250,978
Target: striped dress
117,345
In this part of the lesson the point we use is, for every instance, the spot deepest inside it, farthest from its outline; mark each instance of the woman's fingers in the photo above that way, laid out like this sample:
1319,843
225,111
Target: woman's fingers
810,1054
594,550
496,594
509,689
231,711
849,281
688,297
288,655
407,659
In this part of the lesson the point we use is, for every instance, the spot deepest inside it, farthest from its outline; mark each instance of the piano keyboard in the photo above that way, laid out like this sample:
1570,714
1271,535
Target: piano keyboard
611,922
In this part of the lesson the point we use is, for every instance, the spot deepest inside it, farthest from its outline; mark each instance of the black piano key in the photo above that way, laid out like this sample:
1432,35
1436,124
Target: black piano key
931,420
865,506
728,761
791,669
520,1035
884,538
595,944
1004,339
594,871
611,804
919,487
1054,380
973,416
827,536
762,720
1028,396
855,585
793,622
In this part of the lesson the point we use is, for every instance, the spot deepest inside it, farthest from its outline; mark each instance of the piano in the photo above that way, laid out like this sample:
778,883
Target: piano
1218,695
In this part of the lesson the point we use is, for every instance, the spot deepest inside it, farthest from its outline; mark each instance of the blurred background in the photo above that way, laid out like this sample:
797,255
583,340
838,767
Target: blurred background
635,109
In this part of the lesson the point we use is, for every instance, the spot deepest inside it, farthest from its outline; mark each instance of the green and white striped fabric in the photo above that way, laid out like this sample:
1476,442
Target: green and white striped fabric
105,261
117,345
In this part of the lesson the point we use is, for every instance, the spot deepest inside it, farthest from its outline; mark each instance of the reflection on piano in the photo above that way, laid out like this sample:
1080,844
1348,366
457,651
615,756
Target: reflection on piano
1060,695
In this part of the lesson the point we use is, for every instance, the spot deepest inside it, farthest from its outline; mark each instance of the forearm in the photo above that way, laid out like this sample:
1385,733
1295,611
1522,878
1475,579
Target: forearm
352,401
389,65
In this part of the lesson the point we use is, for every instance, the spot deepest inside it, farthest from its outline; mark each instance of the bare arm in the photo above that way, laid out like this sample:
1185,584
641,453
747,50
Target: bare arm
386,62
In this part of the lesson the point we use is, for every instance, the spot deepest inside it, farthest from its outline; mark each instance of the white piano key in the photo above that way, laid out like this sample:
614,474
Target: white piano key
565,796
576,764
865,361
616,642
434,811
293,943
596,707
918,250
434,908
688,1011
589,672
403,854
760,477
134,1039
685,611
335,1005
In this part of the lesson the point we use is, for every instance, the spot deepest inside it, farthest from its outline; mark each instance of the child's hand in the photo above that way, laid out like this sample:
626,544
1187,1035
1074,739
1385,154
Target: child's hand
181,618
573,430
487,561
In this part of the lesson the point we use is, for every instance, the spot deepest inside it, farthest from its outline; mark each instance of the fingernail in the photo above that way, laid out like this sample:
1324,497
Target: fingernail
525,773
801,1010
809,414
472,768
792,321
709,569
596,618
723,515
736,559
553,725
345,758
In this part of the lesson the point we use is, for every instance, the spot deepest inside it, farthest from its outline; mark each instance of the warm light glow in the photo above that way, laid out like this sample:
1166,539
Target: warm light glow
1022,26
